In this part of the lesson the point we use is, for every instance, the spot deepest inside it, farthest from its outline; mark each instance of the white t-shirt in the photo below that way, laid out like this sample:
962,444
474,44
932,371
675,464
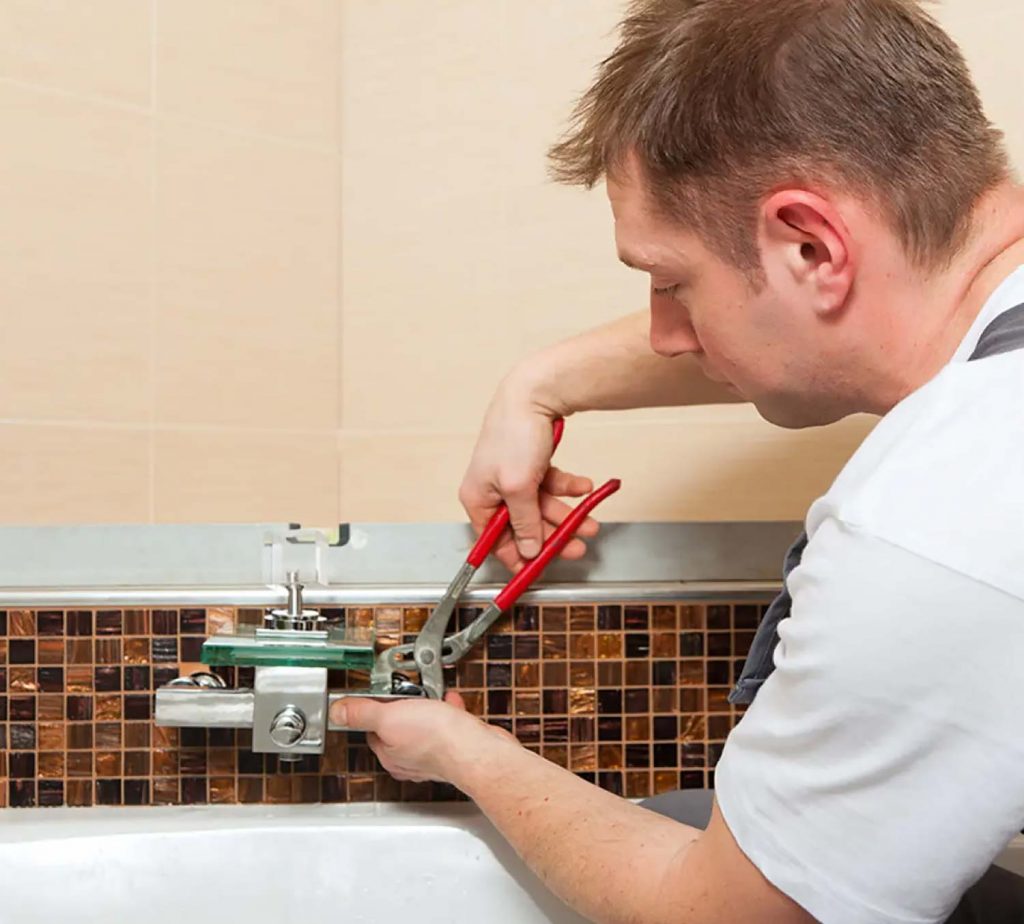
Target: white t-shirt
881,768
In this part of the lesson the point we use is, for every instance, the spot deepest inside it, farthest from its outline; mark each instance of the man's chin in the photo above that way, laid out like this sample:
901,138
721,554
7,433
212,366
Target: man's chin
795,414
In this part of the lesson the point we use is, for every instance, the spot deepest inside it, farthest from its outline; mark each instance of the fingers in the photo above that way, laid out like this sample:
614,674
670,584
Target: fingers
479,503
481,506
575,550
507,552
525,518
559,483
511,464
565,484
386,760
455,699
555,511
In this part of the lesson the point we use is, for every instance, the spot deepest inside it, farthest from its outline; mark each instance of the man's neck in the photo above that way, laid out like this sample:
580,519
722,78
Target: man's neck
954,299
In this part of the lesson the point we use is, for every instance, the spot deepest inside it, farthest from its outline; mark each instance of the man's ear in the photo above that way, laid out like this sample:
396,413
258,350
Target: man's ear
804,236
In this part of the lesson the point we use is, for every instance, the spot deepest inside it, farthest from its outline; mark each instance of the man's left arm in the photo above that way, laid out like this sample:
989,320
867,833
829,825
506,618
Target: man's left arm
611,860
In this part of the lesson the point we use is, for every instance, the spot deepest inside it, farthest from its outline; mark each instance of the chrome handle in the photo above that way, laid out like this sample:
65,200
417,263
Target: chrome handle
288,727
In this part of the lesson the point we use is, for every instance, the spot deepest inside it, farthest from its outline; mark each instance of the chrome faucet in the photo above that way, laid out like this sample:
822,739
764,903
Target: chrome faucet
288,706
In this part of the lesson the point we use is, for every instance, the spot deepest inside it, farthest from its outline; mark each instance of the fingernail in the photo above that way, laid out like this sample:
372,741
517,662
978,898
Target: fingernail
528,548
339,714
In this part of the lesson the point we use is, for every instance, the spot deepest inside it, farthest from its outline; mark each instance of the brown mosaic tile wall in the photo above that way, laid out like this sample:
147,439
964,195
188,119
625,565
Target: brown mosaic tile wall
632,698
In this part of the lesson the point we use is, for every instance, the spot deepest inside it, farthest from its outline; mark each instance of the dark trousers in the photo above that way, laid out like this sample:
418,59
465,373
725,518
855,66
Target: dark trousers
996,898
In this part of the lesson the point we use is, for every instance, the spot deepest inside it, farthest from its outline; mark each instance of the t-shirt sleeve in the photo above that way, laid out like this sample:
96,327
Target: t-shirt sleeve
880,770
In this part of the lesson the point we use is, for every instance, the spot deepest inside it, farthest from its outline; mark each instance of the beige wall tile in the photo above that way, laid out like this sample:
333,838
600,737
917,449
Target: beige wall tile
246,289
712,463
245,477
422,85
100,48
401,477
73,474
421,218
720,463
426,333
563,271
989,33
433,318
550,50
489,261
458,257
267,66
75,259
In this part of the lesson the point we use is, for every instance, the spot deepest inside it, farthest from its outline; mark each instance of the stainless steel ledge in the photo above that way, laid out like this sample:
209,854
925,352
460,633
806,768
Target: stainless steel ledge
371,563
369,554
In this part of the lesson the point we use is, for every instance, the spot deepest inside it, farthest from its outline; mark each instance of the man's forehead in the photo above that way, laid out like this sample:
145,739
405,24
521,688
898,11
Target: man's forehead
644,239
634,261
650,249
626,195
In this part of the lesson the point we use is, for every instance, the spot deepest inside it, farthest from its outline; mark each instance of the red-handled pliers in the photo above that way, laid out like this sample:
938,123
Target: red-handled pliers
432,651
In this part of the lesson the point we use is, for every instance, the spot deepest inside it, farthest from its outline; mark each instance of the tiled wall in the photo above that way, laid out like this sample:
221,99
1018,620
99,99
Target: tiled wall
630,697
238,226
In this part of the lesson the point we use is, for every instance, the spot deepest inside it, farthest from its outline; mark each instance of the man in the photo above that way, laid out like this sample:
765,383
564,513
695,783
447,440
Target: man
829,225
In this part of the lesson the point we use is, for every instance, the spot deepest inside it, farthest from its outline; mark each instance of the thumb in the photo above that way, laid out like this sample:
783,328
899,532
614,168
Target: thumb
356,713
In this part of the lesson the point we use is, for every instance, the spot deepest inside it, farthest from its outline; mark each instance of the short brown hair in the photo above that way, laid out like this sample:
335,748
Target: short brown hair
724,100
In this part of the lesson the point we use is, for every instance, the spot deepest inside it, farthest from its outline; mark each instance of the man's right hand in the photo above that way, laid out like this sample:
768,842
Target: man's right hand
609,368
512,464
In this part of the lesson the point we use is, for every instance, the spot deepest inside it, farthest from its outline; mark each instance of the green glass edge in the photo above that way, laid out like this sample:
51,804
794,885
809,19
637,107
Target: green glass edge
285,656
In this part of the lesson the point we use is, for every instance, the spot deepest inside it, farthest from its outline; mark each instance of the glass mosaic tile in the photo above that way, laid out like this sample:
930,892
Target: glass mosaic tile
630,697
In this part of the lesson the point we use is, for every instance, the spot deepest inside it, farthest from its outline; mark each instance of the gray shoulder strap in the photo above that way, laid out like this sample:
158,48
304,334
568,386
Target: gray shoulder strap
1004,335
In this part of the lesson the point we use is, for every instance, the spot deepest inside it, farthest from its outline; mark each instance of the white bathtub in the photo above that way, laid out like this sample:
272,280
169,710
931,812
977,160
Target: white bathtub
379,864
351,864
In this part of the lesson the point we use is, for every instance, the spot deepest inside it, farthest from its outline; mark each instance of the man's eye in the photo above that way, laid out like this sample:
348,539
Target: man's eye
668,290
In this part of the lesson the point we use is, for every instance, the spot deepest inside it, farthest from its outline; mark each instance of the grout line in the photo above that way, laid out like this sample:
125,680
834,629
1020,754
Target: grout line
153,10
357,432
586,424
278,140
153,264
145,425
185,121
339,391
47,90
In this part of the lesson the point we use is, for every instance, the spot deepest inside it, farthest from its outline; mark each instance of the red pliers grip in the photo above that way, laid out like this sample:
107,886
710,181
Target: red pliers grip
432,651
554,544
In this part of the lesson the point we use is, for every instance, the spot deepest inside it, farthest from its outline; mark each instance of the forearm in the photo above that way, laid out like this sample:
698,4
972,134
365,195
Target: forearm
614,368
604,856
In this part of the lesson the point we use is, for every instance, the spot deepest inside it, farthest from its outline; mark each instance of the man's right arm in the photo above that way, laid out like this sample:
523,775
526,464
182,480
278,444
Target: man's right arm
610,368
613,368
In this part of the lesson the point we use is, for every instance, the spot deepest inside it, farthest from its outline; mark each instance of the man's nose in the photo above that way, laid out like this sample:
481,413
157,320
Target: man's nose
672,334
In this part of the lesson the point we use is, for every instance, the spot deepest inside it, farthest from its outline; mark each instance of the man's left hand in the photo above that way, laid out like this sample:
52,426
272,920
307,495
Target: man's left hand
420,740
